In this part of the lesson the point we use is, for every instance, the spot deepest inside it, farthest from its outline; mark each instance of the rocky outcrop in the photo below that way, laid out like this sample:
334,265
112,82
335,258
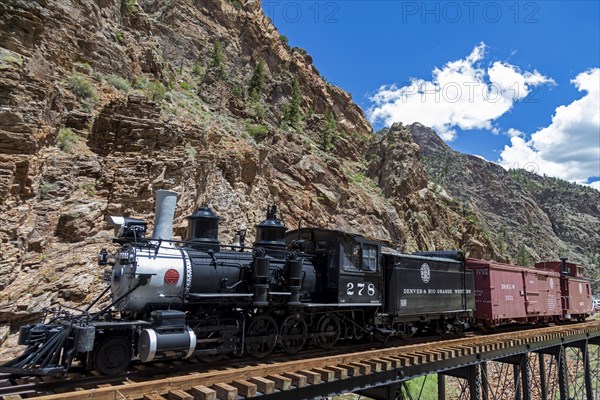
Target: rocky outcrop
528,217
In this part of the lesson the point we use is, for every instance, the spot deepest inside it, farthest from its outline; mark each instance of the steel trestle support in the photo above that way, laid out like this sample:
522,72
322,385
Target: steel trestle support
388,385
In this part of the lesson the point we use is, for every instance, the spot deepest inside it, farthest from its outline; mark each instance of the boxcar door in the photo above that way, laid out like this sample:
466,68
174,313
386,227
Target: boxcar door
532,293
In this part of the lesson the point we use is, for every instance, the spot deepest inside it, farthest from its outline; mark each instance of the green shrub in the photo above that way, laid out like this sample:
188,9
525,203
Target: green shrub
84,65
257,131
184,85
141,82
156,91
197,70
119,83
84,90
131,5
88,188
190,152
236,3
45,188
258,111
66,139
10,57
120,37
284,39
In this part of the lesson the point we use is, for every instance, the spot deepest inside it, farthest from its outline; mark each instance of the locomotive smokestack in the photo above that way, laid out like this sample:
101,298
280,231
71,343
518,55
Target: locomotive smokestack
166,201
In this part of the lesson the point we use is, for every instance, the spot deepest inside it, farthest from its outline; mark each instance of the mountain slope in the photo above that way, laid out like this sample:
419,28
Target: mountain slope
529,217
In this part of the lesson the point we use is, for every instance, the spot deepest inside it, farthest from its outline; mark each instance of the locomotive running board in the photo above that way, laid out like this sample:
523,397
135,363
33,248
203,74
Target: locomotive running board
312,305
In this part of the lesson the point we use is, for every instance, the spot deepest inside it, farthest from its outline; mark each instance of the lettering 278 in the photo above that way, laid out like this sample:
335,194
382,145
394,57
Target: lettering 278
359,289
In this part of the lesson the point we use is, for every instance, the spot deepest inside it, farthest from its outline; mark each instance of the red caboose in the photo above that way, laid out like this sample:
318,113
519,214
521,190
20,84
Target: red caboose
507,293
575,290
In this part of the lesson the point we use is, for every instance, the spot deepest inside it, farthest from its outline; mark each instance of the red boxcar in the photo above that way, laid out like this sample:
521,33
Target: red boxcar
576,291
507,293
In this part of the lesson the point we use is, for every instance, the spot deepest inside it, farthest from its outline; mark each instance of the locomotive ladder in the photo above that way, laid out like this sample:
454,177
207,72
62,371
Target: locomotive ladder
554,362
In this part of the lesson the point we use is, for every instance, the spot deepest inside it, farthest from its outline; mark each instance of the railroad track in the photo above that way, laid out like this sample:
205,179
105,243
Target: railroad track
267,379
78,378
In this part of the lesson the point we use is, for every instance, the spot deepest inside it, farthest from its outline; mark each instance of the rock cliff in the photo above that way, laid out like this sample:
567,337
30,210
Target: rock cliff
528,217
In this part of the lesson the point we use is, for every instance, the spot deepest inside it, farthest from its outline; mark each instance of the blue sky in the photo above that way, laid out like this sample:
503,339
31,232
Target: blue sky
536,54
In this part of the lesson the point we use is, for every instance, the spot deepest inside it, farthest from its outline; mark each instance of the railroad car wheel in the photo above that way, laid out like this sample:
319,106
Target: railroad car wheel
261,337
328,332
293,334
112,355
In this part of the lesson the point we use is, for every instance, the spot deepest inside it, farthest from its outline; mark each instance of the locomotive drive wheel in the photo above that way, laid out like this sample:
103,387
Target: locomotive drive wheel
293,334
261,337
328,332
112,355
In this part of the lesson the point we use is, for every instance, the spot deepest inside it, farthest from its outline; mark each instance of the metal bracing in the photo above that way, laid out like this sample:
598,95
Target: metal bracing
560,368
542,375
582,370
522,377
563,378
484,381
441,386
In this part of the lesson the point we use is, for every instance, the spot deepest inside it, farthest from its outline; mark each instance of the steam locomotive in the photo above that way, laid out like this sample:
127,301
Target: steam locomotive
199,298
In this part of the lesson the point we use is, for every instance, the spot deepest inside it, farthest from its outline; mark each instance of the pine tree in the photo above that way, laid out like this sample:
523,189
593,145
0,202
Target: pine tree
257,81
329,132
292,112
523,257
216,60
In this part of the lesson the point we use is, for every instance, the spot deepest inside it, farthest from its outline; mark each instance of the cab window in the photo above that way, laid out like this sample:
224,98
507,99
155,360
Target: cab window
369,257
351,258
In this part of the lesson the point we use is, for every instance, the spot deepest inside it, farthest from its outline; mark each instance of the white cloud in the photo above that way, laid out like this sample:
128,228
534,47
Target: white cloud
461,94
515,132
568,148
594,185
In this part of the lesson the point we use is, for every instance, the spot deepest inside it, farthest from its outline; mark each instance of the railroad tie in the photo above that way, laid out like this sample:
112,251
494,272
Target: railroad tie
313,378
281,382
340,373
375,366
264,385
179,395
327,375
386,365
225,391
394,362
352,370
245,388
298,380
203,393
153,396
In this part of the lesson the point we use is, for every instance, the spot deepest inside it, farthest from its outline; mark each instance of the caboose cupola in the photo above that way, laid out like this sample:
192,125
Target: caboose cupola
203,230
270,234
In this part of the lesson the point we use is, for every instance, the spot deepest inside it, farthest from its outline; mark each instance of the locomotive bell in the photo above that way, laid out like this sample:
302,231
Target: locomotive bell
203,230
270,234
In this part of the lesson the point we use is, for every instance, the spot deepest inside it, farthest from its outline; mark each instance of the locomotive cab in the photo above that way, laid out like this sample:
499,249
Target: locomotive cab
347,266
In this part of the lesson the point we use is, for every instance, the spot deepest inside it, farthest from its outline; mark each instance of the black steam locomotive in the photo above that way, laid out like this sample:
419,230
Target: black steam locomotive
198,298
